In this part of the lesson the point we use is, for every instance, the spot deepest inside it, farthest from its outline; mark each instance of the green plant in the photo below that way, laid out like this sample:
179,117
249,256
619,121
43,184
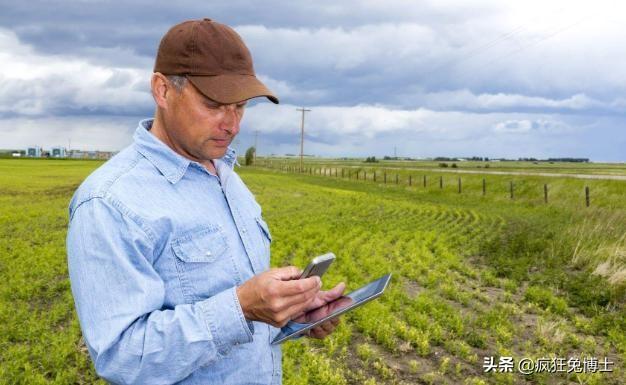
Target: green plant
250,152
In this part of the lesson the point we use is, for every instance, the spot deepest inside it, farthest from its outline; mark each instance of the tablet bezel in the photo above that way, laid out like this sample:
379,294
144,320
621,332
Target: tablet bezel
386,278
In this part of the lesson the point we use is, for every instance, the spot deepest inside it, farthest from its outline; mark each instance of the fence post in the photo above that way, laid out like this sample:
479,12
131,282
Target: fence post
459,185
424,181
587,196
484,187
349,174
364,175
342,172
409,180
385,177
512,195
374,175
441,182
396,178
357,175
545,193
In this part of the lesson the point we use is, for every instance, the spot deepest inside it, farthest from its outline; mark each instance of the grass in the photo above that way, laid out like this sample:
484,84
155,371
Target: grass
473,276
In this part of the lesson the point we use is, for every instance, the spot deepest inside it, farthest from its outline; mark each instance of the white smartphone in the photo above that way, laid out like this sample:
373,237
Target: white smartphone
318,266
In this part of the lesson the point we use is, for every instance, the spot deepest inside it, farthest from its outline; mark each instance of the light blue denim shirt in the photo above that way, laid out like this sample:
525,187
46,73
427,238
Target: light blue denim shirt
156,247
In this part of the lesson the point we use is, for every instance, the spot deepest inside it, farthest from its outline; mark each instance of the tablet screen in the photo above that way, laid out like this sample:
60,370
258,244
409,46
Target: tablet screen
333,309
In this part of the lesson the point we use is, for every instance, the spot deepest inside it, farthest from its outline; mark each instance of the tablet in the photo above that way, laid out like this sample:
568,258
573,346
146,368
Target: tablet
333,309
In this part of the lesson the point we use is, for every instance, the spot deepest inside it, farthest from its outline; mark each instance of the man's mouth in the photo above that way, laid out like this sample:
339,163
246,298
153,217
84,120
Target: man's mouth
221,141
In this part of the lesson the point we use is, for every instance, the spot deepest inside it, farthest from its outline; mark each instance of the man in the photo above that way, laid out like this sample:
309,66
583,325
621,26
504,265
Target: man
168,252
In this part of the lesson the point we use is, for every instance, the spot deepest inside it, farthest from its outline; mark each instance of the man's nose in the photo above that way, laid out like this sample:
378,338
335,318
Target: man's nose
230,120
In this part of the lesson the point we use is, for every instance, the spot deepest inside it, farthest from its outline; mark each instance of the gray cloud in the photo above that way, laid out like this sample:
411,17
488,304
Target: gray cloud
446,72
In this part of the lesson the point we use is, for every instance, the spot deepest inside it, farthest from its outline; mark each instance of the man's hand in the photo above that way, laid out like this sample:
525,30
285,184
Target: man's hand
321,299
277,295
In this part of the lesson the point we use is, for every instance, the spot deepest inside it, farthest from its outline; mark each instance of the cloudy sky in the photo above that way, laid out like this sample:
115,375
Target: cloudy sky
426,78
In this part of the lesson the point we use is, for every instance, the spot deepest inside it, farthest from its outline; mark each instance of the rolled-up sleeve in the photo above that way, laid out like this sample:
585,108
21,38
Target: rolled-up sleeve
119,299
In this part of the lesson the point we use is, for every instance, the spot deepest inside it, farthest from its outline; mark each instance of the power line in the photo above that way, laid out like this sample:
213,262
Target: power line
552,34
484,47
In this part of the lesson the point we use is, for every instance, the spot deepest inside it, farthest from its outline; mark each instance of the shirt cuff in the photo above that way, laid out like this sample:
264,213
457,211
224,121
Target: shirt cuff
224,318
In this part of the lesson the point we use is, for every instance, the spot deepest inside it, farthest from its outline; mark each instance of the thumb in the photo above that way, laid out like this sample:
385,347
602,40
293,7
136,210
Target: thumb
335,292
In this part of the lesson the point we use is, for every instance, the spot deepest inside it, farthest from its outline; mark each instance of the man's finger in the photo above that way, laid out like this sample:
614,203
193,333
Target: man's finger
296,309
333,293
324,297
304,297
287,273
328,327
317,332
297,286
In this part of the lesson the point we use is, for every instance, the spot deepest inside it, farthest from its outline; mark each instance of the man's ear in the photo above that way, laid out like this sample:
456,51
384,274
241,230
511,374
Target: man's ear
160,87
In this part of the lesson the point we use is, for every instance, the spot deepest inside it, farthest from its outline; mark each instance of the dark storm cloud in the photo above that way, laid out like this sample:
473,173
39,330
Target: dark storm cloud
451,73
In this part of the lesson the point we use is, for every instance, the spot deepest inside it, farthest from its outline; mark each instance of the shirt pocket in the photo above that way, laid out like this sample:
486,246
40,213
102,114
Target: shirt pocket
204,263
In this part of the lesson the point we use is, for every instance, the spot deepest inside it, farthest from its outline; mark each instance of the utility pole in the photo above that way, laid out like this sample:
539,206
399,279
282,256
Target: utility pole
302,136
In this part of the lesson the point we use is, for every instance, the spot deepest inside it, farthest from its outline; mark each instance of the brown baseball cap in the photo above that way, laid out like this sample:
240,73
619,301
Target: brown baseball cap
214,58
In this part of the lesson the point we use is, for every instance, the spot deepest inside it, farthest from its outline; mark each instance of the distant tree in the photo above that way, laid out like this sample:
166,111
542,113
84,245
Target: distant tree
443,164
371,159
454,165
250,155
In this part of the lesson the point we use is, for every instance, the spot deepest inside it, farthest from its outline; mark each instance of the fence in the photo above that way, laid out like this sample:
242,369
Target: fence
337,172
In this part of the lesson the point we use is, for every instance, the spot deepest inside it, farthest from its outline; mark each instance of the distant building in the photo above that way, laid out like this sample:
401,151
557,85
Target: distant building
57,152
76,154
33,152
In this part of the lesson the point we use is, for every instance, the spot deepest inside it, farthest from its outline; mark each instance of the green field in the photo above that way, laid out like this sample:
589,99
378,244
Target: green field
474,275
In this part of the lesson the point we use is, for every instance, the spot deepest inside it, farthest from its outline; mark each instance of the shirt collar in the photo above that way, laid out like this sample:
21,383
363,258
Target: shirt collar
169,163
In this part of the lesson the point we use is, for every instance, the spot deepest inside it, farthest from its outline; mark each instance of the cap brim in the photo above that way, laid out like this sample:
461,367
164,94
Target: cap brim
228,89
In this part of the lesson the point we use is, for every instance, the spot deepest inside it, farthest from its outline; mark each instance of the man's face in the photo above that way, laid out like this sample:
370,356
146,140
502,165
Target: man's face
198,127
